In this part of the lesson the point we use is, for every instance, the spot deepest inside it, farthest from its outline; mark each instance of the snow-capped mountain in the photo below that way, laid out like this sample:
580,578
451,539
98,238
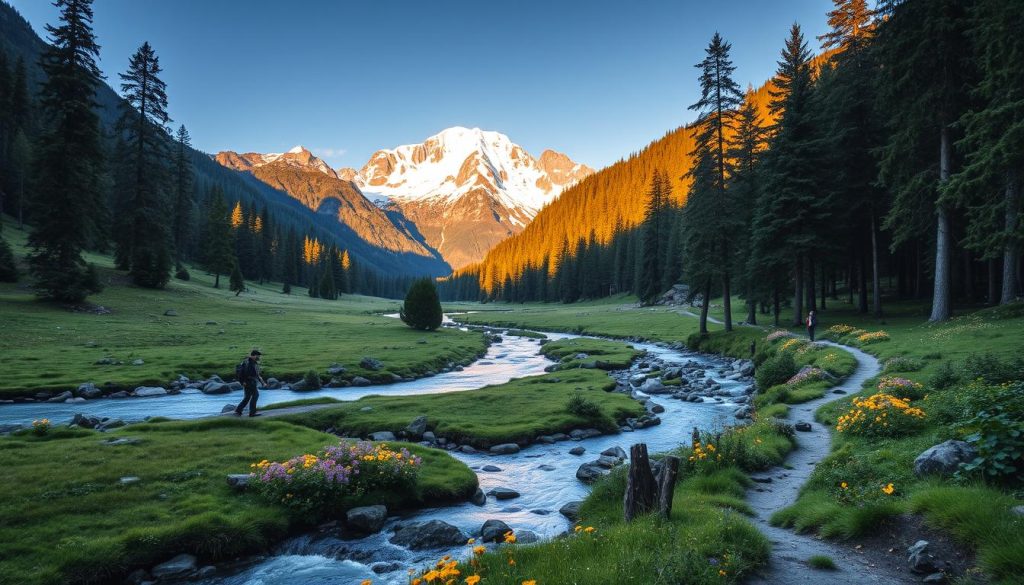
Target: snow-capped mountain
298,157
465,189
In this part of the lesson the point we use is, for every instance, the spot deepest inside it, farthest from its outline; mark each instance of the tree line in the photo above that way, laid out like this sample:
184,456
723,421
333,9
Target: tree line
130,186
893,160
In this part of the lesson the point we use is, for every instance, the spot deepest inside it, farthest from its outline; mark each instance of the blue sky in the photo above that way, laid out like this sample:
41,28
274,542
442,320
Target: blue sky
594,79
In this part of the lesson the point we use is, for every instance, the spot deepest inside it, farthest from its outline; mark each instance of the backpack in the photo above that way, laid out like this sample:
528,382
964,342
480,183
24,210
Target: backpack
242,371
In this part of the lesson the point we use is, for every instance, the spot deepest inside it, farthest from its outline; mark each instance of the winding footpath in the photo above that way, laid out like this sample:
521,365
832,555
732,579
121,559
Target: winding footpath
790,550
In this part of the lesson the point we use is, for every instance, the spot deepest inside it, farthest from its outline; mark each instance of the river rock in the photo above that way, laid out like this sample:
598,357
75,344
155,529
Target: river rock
944,458
88,390
369,363
109,423
273,384
60,397
505,449
526,537
179,567
382,436
213,387
590,472
607,462
426,535
417,427
335,369
581,434
494,531
238,481
654,386
138,362
367,519
170,313
744,412
501,493
577,451
146,391
429,437
918,558
571,510
490,468
384,568
360,381
655,408
479,498
616,452
86,422
227,408
803,426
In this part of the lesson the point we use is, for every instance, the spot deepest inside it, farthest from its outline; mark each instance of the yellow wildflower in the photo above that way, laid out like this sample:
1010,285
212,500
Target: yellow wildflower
888,489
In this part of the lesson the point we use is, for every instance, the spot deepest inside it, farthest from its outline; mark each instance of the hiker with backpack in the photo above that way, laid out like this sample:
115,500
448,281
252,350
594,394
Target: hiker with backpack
812,322
248,373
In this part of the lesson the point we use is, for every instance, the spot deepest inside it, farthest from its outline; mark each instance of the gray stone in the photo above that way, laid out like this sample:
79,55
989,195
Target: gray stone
106,361
654,386
176,568
227,408
580,434
369,363
417,427
546,467
367,519
526,537
803,426
616,452
206,572
429,436
147,391
170,313
490,468
63,396
121,442
360,381
743,412
918,558
608,462
235,386
366,409
479,498
86,422
590,472
119,394
384,568
88,390
546,440
382,436
335,369
655,408
944,458
273,384
1018,510
138,362
238,481
577,451
467,449
427,535
129,479
571,510
505,449
213,387
494,531
935,578
109,423
501,493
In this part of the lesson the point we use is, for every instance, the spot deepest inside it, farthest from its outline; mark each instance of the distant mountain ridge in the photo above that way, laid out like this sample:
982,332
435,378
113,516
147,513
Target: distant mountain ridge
466,189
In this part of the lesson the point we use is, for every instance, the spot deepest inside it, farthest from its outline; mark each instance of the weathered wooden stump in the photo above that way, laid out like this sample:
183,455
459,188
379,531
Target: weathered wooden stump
644,492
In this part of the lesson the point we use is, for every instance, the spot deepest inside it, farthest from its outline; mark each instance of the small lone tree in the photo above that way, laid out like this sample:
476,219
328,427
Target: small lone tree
237,282
422,307
8,266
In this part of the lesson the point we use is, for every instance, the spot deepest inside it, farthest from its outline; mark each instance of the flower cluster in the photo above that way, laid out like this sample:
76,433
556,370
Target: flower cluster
863,494
880,414
778,334
841,329
792,343
898,386
310,483
447,571
873,337
806,375
41,426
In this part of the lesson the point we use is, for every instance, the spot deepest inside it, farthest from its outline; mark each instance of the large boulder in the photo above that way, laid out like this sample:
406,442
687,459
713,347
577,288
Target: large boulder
417,427
944,458
360,381
590,472
369,363
494,531
214,387
88,390
571,510
179,567
654,386
367,519
426,535
505,449
479,498
146,391
382,436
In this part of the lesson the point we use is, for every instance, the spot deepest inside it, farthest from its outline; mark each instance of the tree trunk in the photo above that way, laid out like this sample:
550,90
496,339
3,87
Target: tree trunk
775,305
849,283
968,278
727,301
216,281
993,282
876,284
751,312
667,485
824,289
640,493
862,284
704,308
941,309
809,281
798,292
1011,249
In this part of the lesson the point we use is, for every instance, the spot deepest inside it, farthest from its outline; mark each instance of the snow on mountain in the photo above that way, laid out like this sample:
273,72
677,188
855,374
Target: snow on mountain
298,157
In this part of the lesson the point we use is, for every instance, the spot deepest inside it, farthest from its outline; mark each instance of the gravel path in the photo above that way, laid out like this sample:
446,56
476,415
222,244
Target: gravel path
790,550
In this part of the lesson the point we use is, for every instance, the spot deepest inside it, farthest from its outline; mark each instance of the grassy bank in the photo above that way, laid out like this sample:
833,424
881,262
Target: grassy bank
66,517
705,540
49,347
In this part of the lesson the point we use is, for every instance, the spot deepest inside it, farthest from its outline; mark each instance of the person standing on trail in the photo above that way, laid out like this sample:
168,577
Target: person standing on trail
812,322
248,373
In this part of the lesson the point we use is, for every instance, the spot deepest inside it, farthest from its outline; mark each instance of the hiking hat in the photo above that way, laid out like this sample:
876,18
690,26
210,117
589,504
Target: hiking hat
255,352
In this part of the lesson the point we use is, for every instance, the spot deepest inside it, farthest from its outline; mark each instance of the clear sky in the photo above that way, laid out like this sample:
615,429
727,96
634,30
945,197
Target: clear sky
592,78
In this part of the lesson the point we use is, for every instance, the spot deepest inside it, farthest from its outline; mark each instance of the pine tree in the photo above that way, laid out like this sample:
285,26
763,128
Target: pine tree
650,279
744,188
218,255
422,307
925,60
709,214
237,284
144,123
68,194
8,267
183,197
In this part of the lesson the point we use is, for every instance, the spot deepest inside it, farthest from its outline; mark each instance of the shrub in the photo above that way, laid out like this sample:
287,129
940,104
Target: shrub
873,337
822,562
775,370
8,267
901,387
311,380
997,432
992,369
805,375
331,480
41,427
181,273
580,406
946,376
422,307
902,364
880,415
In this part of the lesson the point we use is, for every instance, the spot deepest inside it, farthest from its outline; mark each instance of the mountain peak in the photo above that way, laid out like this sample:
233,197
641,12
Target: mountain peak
298,150
298,156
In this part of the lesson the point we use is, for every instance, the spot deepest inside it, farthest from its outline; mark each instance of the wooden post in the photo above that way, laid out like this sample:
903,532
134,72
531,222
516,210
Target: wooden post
695,440
640,486
667,484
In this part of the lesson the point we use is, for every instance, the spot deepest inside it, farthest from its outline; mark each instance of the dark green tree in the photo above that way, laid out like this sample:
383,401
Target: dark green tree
653,241
218,252
237,284
183,196
68,193
422,307
8,266
744,187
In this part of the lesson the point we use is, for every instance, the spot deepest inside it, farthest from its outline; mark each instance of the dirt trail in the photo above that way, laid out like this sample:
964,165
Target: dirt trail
790,550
